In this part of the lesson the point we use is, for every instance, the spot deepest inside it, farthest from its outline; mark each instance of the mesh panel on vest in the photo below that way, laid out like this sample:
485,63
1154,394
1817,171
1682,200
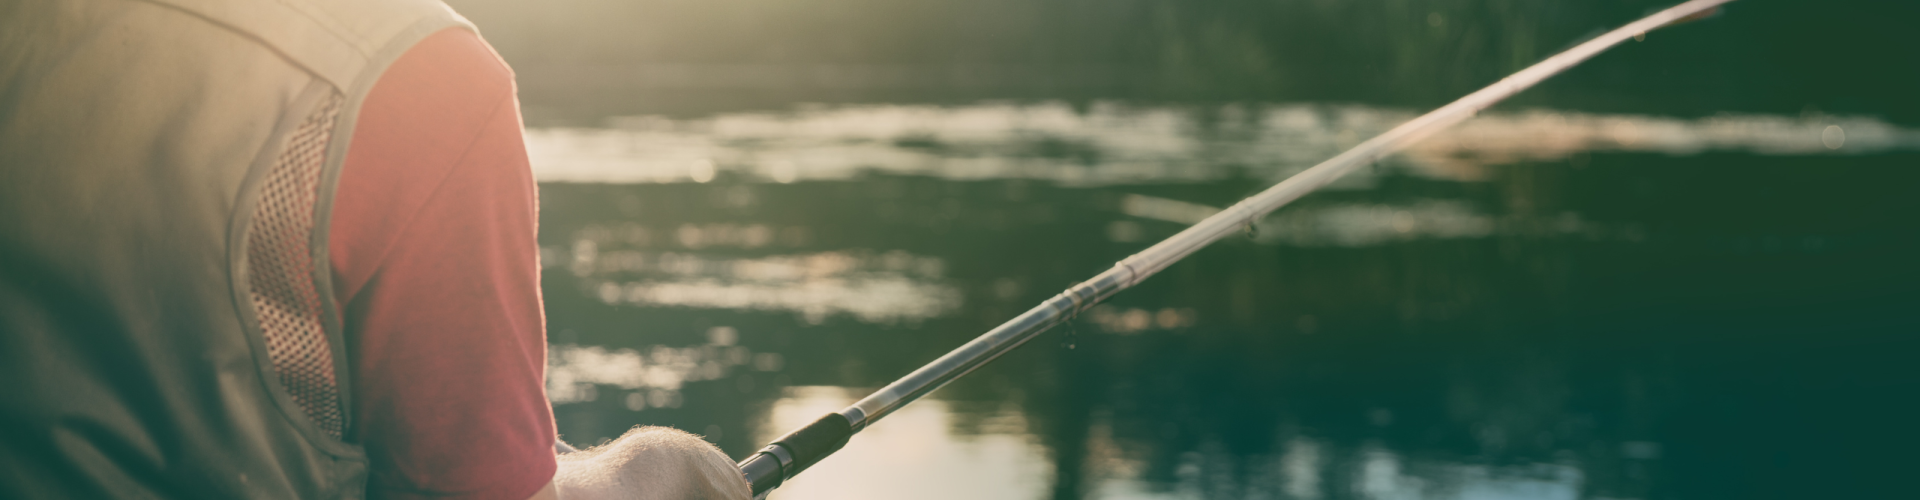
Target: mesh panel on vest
280,256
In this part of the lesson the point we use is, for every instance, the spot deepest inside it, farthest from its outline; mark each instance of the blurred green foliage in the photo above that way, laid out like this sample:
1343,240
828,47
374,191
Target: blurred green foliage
1763,56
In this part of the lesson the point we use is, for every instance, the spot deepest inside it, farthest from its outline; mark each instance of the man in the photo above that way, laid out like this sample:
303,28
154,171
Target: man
279,249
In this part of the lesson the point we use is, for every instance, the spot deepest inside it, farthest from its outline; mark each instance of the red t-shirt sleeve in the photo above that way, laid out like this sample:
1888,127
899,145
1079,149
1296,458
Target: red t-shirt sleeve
436,267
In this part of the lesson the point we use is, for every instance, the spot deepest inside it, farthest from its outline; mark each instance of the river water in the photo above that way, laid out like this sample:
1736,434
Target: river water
1683,270
1535,304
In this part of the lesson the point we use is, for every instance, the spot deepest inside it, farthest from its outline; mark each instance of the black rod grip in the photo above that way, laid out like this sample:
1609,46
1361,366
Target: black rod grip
814,442
763,472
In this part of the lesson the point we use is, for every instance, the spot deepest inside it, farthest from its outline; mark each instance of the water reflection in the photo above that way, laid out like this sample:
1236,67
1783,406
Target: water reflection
576,373
884,288
1382,474
1111,143
1536,305
920,455
1337,225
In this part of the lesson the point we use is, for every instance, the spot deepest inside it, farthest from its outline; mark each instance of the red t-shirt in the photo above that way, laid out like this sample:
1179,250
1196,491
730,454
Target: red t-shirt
436,269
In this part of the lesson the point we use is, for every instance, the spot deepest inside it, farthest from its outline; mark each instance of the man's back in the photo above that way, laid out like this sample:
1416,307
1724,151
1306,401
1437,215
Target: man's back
136,140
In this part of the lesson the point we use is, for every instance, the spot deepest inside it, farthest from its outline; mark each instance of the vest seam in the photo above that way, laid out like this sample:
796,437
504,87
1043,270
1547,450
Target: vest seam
331,25
241,270
263,42
332,315
311,97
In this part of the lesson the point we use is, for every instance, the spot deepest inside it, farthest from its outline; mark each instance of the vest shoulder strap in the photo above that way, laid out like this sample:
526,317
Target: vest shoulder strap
338,40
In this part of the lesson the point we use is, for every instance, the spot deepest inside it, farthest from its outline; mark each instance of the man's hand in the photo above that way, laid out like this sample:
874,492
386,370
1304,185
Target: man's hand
648,463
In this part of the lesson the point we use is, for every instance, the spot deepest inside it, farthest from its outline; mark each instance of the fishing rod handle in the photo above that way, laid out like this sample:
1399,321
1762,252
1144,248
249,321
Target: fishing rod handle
795,452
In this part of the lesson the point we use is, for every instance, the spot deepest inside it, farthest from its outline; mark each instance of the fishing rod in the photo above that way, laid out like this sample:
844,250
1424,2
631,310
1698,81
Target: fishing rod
806,446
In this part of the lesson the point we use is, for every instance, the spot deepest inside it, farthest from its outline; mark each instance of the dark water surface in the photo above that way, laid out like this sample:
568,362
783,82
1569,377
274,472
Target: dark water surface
1686,270
1535,305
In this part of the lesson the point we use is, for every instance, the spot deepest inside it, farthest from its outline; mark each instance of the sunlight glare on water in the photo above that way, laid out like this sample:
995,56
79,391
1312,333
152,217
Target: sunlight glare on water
923,457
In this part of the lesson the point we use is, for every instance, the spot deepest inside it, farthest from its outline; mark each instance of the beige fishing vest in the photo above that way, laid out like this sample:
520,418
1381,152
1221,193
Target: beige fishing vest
166,172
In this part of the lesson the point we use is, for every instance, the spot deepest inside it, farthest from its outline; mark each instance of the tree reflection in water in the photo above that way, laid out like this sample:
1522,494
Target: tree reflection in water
1529,312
